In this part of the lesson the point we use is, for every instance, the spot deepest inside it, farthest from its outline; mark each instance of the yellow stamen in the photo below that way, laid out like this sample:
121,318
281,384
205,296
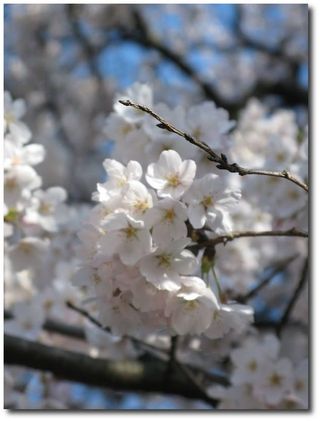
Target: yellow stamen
191,305
164,260
141,206
173,180
130,231
169,215
207,201
275,379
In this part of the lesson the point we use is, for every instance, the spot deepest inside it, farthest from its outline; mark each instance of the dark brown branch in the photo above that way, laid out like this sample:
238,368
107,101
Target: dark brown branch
221,160
223,239
134,376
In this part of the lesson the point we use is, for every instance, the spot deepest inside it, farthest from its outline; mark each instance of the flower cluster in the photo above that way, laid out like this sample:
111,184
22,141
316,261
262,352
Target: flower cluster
133,131
34,220
135,250
263,379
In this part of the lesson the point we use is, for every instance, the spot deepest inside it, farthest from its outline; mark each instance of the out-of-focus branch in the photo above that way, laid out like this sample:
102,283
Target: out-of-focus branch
288,90
296,294
89,51
134,376
221,160
278,268
136,341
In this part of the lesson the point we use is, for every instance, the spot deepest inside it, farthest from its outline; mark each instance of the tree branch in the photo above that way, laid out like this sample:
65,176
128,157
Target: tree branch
293,232
296,293
221,160
277,269
134,376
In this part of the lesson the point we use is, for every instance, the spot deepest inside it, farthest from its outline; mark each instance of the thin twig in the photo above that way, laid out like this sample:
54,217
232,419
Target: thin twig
172,357
197,384
277,268
221,160
223,239
139,342
296,293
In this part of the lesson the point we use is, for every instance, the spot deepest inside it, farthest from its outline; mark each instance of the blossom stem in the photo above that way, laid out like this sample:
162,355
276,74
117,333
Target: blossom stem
221,160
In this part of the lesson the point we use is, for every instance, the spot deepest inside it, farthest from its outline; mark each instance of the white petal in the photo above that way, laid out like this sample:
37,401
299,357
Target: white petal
197,215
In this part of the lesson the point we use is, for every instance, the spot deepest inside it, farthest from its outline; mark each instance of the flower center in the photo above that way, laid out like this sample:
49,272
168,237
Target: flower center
45,208
173,180
164,260
191,305
141,206
130,231
207,201
252,365
25,247
275,379
169,215
11,183
10,118
293,195
280,157
299,385
121,182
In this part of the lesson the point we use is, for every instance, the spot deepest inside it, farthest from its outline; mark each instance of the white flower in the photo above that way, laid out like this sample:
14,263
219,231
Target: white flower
18,182
164,267
125,236
15,154
29,317
229,317
30,252
190,309
139,93
274,381
46,208
171,176
248,359
119,175
137,199
168,221
146,297
13,111
210,124
208,199
301,382
119,314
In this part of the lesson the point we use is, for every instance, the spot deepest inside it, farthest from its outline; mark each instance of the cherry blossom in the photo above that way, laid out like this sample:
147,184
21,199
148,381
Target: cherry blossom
170,175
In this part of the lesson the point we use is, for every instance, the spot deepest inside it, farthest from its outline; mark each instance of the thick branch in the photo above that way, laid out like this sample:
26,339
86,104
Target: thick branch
221,160
131,376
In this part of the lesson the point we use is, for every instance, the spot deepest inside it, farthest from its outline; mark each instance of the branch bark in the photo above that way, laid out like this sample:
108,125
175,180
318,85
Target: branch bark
223,239
221,160
134,376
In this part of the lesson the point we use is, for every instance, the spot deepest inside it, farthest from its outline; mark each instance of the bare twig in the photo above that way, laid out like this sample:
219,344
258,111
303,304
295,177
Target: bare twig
158,352
223,239
221,160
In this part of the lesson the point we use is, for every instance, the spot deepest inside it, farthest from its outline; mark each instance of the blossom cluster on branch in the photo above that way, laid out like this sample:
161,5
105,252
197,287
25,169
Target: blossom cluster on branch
172,250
